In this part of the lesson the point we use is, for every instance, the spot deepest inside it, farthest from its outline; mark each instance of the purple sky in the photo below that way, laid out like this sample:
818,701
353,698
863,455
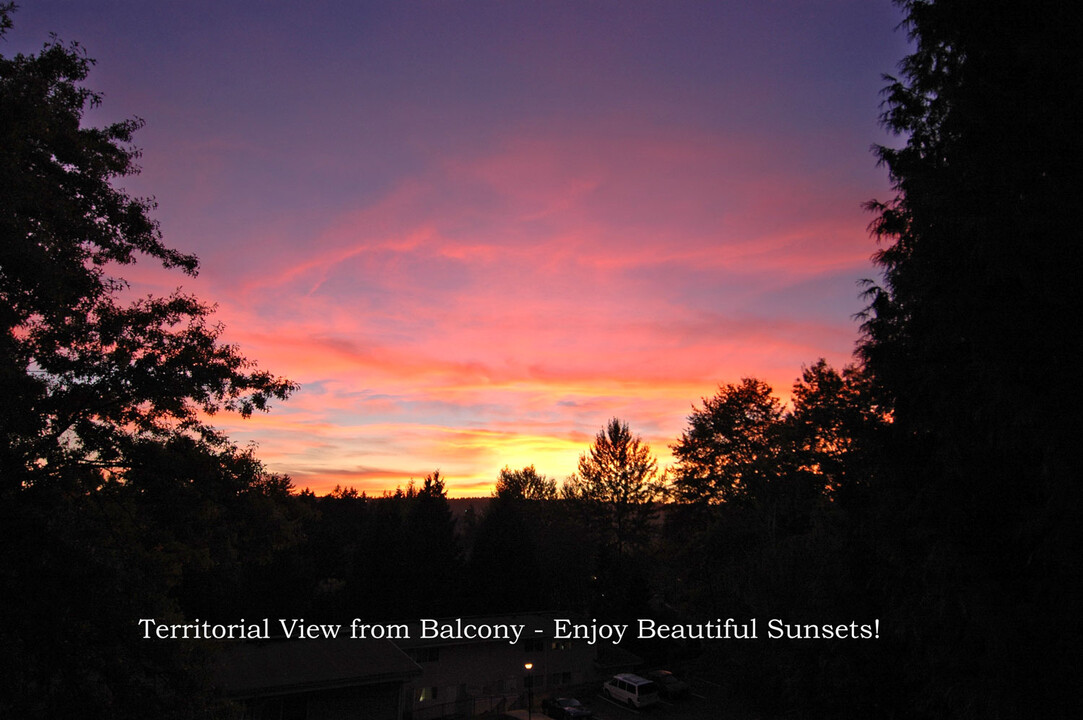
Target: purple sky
475,231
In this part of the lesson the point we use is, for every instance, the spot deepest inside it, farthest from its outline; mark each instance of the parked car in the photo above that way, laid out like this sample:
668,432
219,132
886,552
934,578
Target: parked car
669,685
631,690
565,709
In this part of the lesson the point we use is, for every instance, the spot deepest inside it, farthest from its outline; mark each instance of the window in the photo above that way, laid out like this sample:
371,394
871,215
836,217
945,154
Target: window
560,645
533,645
427,693
557,679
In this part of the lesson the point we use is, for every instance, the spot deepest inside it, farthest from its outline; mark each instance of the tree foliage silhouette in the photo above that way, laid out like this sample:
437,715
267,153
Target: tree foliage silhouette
86,375
967,342
434,549
525,484
836,427
617,485
733,446
117,498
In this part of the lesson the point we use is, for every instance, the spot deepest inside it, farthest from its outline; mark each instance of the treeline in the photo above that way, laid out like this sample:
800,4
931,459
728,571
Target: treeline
757,519
618,523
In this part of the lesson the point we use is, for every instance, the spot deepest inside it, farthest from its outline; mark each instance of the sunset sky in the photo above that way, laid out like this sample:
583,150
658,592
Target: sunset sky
475,231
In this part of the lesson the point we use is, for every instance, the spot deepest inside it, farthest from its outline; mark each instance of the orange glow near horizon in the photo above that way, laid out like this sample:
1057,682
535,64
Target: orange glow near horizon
484,230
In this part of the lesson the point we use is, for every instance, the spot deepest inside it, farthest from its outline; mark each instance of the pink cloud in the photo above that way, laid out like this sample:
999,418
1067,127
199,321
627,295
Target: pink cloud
498,308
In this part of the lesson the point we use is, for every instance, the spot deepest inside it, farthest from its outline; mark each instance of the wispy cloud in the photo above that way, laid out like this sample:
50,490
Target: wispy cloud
476,235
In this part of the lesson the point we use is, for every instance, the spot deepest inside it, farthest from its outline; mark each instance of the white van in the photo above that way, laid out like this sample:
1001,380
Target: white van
631,689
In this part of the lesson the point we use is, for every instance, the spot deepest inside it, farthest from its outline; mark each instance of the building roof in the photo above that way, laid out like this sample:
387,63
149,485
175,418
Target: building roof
275,667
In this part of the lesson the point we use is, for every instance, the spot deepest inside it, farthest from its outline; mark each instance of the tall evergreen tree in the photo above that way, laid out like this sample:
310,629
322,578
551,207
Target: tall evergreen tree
969,340
617,485
433,551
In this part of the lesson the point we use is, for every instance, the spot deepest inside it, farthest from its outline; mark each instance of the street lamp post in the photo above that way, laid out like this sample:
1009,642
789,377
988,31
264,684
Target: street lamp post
529,688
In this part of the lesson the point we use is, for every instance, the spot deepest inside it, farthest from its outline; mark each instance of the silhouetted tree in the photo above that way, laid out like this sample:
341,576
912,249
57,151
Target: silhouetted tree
759,533
525,484
116,496
86,377
966,339
617,485
503,570
378,581
733,449
836,427
433,552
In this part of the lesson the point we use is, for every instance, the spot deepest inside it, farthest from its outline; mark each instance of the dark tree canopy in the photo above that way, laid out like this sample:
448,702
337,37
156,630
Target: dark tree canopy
732,448
980,244
117,499
525,484
435,547
617,484
743,448
835,427
86,374
969,341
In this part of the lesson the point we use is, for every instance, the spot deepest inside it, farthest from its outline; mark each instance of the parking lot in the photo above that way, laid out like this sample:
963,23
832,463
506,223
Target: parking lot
706,702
